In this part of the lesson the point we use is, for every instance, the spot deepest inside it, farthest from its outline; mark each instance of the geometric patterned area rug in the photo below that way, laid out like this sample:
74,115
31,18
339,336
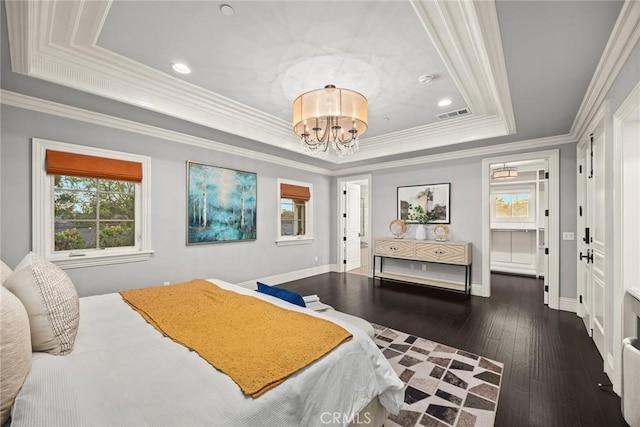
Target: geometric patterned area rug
445,386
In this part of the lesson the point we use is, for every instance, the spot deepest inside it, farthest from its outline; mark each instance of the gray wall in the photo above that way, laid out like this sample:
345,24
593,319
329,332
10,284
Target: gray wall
173,260
465,176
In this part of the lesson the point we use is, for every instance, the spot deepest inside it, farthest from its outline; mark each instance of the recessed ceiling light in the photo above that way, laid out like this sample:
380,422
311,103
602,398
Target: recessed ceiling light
426,78
445,102
227,10
181,68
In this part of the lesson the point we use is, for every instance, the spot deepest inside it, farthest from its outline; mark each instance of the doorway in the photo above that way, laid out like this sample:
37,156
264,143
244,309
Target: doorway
520,219
592,242
519,202
354,225
626,220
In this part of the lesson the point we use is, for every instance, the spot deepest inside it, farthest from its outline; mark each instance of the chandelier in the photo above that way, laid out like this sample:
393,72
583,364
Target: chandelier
504,172
330,116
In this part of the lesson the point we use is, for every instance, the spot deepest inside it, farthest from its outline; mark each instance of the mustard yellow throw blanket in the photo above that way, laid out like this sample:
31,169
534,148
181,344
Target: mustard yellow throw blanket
256,343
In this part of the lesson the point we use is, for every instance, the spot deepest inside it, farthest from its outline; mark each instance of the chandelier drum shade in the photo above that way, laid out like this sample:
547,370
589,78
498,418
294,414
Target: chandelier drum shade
330,116
504,172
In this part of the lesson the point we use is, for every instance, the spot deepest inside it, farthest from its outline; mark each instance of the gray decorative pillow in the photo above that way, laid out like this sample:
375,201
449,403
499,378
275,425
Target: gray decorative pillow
15,350
51,302
5,272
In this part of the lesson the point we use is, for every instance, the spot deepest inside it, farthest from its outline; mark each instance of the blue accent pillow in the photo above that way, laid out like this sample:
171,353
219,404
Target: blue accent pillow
283,294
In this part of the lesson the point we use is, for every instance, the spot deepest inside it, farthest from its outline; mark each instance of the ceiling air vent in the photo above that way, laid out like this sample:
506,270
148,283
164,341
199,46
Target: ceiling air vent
453,114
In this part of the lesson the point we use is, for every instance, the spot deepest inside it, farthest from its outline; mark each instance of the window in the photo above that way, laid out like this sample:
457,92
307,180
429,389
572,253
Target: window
294,212
91,206
93,213
512,205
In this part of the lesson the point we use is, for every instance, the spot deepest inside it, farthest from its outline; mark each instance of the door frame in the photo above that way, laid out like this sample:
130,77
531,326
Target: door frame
581,197
340,209
553,161
624,113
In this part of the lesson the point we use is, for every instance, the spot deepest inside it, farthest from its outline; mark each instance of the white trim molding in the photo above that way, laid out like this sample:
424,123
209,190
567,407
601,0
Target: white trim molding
495,149
553,158
74,113
68,112
42,210
623,38
340,223
57,41
567,304
289,276
626,111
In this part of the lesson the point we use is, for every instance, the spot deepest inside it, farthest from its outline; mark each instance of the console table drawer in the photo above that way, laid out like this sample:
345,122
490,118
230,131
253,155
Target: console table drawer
395,248
444,253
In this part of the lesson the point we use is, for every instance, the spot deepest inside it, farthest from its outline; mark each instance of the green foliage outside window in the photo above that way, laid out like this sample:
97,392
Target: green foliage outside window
70,239
93,213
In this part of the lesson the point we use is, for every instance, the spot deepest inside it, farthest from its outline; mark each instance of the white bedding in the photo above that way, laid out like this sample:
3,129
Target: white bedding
122,372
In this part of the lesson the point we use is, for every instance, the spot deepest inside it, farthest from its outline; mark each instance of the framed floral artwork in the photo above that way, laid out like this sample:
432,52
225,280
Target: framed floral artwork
425,204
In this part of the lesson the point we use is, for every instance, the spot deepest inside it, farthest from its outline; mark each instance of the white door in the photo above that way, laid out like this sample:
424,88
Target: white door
584,263
352,246
591,245
596,200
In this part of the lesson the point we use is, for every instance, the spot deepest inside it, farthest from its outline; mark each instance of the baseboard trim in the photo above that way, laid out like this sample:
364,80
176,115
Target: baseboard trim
515,271
568,304
477,290
610,370
277,279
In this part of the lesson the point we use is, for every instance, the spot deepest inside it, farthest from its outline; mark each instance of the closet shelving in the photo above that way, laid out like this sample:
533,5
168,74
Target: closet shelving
518,246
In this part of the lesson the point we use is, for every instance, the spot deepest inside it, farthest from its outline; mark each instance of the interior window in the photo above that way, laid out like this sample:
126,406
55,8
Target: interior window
512,205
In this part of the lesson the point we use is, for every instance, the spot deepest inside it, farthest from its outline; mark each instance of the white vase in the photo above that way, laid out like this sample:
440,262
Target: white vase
421,232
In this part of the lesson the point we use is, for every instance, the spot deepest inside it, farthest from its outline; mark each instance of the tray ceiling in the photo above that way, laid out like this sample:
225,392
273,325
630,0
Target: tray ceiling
247,68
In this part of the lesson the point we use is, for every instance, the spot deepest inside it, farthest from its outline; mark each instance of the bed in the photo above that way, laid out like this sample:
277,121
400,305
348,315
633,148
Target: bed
122,372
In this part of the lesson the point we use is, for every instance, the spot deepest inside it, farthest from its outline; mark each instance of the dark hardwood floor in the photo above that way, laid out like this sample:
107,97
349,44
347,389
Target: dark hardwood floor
552,368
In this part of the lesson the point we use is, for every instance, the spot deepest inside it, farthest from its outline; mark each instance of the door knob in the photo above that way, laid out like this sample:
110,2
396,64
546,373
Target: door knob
588,256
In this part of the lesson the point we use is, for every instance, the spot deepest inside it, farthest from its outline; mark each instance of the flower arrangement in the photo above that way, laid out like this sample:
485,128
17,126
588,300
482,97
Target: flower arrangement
419,215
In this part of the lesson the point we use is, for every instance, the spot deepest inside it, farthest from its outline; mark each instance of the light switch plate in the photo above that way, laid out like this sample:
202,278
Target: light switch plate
568,235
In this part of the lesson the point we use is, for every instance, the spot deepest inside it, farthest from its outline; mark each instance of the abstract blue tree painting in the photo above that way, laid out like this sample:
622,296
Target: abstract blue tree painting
221,204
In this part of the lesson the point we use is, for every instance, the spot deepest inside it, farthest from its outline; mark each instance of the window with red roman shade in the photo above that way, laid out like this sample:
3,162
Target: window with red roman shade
295,192
80,165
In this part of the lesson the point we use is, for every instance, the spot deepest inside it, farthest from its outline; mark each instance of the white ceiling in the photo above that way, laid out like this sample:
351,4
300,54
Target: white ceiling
268,53
522,67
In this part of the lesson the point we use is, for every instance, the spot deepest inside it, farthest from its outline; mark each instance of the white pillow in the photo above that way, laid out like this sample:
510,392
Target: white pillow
15,350
51,301
5,272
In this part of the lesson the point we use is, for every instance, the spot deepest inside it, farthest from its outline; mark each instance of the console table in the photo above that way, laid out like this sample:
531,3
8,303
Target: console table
429,251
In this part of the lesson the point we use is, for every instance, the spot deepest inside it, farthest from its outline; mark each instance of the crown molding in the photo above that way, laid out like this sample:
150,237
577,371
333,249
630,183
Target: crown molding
68,112
499,84
30,103
467,37
623,39
56,41
531,144
19,36
455,131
